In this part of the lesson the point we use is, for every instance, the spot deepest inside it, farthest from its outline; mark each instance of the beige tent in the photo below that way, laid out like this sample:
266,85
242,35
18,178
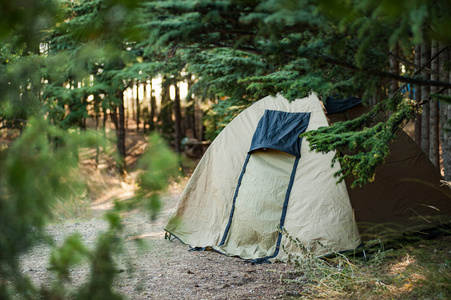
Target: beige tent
258,176
242,192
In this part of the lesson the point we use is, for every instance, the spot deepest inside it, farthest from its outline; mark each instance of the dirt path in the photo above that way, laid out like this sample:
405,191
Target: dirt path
164,269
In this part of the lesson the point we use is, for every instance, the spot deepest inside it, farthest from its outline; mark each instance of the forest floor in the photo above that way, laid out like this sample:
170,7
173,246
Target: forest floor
167,270
162,269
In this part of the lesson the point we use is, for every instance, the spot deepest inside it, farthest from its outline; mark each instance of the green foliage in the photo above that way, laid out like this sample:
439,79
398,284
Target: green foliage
68,255
249,49
407,21
49,71
363,143
221,114
220,71
95,56
25,19
35,172
20,81
103,269
38,169
282,37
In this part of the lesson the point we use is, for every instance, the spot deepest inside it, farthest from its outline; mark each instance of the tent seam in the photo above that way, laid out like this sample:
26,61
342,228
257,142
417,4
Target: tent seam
226,232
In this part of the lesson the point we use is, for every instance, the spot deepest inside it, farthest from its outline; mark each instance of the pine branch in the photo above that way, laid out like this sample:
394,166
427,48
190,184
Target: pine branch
360,149
350,66
417,81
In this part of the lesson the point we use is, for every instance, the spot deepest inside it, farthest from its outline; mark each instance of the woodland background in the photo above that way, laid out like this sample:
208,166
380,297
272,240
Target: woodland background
74,61
76,74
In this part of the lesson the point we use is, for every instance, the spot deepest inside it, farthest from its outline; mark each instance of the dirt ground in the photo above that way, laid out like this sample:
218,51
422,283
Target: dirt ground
163,269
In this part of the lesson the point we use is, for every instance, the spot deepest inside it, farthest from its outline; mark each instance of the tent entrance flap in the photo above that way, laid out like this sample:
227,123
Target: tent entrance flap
263,190
280,130
253,227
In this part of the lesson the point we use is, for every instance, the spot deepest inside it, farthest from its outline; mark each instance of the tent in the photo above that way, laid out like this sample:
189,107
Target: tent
407,195
258,176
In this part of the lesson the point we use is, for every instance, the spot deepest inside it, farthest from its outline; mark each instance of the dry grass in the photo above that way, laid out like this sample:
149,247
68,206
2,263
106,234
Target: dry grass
421,270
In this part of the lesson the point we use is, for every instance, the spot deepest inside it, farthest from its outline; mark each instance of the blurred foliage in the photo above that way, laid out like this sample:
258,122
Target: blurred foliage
53,55
103,268
158,166
24,20
38,168
89,53
162,165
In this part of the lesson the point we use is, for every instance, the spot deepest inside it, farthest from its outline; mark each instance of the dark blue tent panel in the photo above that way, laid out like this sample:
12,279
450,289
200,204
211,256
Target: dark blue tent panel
335,105
280,130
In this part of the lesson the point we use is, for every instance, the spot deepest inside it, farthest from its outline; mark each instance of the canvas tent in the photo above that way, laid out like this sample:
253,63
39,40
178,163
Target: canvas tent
407,195
258,176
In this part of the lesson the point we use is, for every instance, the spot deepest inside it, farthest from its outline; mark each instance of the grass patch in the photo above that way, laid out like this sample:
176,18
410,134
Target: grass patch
75,207
420,270
95,186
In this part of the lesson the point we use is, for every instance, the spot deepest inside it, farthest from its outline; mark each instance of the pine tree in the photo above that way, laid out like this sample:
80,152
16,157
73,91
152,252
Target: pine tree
98,40
243,50
417,95
434,109
445,113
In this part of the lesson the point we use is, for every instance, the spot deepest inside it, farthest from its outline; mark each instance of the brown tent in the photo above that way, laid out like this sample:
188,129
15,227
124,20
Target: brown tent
407,194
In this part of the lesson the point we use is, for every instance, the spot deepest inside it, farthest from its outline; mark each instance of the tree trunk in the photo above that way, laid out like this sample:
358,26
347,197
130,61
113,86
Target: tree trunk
199,115
97,142
434,140
153,108
165,117
145,109
138,108
127,113
105,118
132,101
425,56
114,117
177,120
417,95
190,114
121,133
445,115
